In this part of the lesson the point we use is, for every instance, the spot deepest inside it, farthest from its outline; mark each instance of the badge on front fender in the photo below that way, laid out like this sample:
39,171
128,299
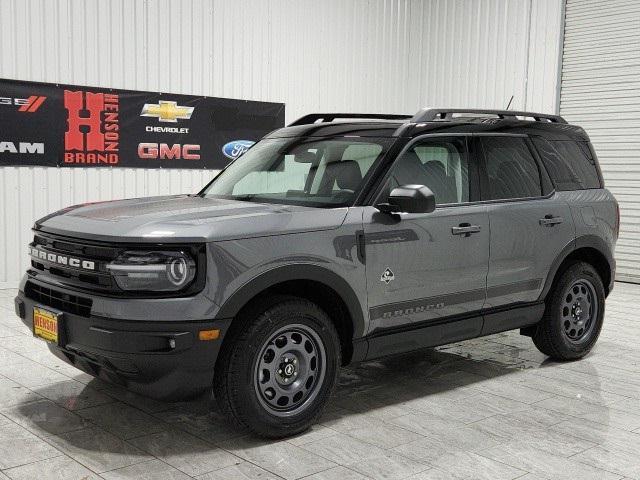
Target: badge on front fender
387,276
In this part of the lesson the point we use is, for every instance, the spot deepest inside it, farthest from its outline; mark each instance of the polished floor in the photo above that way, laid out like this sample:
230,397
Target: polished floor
492,408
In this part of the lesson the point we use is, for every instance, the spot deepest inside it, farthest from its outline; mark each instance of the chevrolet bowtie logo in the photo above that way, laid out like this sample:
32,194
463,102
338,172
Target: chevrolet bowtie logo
166,111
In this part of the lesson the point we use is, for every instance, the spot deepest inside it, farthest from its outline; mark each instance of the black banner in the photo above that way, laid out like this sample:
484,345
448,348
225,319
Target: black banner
72,126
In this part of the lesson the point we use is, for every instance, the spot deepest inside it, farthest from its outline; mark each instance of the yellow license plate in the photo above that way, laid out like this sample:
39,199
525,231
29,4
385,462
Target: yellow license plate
45,324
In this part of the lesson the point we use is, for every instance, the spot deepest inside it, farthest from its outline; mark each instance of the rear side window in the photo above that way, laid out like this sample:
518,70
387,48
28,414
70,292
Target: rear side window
511,169
571,165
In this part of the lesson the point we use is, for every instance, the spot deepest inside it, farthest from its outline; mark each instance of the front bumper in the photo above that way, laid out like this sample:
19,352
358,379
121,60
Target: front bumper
162,359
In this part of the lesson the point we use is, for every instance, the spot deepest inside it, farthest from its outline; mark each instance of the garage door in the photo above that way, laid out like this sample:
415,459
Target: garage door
600,91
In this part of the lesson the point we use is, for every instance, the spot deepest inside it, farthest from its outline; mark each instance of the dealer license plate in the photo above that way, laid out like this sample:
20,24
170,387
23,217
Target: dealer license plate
45,324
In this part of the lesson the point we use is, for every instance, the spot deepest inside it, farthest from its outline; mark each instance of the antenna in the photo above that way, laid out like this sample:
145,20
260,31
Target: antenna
509,104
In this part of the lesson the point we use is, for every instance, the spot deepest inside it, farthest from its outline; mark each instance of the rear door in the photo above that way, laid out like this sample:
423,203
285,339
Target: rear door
530,224
422,268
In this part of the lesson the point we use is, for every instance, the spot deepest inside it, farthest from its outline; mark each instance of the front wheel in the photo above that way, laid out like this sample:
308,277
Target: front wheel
574,314
279,367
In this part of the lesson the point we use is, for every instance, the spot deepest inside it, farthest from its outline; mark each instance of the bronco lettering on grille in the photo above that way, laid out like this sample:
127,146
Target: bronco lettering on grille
62,259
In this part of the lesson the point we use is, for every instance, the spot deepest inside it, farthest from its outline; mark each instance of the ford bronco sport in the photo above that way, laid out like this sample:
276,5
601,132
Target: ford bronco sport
340,238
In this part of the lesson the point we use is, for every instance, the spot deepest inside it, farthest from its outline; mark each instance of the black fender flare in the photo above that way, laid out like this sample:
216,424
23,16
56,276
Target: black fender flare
330,279
590,241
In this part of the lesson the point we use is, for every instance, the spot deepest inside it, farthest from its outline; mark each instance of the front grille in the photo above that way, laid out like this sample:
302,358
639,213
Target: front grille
59,300
97,279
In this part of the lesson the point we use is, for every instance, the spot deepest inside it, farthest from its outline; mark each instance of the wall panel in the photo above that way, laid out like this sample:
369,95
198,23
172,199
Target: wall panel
390,56
601,92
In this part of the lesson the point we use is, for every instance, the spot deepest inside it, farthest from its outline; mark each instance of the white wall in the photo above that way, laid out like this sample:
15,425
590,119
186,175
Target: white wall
391,56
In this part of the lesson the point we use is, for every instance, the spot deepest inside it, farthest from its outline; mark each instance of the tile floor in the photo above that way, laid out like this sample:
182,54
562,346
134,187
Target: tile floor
491,408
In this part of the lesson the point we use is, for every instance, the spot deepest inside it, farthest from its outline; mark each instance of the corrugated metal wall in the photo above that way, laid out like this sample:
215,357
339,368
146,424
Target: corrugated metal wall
601,92
361,55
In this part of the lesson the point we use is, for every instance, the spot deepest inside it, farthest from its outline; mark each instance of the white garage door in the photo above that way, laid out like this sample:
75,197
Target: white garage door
601,92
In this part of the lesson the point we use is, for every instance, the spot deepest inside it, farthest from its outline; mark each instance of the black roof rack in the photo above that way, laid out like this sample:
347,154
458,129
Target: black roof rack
427,115
444,114
330,117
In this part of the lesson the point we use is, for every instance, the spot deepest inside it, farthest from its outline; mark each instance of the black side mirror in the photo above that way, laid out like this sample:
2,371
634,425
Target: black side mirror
409,199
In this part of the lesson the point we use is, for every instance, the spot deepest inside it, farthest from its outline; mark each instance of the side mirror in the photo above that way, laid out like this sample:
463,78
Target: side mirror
409,199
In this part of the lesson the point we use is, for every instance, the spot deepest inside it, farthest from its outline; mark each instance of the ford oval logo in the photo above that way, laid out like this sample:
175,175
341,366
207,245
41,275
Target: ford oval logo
236,148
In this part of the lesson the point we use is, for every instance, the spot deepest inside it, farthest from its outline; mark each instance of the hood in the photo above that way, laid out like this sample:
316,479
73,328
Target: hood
185,218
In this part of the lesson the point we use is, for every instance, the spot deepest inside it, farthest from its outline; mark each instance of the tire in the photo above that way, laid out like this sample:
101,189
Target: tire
278,334
574,314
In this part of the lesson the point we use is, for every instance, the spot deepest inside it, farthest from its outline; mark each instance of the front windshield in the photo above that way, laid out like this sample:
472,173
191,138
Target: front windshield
316,172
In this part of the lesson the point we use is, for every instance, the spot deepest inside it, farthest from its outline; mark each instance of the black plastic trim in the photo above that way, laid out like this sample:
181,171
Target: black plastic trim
584,241
517,317
138,354
455,328
424,336
332,280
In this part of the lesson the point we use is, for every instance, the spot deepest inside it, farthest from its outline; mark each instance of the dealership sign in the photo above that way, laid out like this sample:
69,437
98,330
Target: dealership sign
72,126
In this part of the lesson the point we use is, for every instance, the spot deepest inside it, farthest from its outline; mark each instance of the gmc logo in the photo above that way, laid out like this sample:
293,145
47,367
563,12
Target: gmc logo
61,259
163,151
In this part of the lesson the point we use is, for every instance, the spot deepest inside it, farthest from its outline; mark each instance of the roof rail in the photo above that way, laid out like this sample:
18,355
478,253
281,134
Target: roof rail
330,117
444,114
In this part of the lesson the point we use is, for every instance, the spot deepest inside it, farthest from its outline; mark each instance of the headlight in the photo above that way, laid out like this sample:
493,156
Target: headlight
156,271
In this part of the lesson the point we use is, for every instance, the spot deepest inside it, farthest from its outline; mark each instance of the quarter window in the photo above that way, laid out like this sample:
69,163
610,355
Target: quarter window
571,165
511,169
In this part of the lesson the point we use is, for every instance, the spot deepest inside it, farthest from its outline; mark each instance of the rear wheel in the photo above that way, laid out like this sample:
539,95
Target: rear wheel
279,368
574,314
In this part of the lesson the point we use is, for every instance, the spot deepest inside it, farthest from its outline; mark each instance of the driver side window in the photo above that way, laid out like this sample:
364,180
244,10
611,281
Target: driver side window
440,163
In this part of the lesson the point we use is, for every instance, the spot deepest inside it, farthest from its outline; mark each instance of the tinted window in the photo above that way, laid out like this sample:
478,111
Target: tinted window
511,169
440,164
570,164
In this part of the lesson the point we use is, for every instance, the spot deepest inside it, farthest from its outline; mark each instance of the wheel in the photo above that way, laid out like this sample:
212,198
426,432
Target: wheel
277,370
574,314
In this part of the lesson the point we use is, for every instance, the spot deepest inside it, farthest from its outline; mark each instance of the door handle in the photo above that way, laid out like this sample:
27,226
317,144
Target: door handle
550,221
465,229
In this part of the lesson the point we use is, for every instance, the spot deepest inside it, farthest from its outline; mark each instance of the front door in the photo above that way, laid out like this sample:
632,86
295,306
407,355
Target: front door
427,267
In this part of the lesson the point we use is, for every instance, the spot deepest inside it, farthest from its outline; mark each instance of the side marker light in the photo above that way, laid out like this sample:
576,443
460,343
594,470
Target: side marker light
206,335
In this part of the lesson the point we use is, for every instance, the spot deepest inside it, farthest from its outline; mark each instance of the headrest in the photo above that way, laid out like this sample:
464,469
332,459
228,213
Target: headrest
411,158
346,174
435,167
305,157
410,170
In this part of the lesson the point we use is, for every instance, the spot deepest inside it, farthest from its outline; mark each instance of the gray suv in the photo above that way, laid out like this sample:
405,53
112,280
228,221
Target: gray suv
341,238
